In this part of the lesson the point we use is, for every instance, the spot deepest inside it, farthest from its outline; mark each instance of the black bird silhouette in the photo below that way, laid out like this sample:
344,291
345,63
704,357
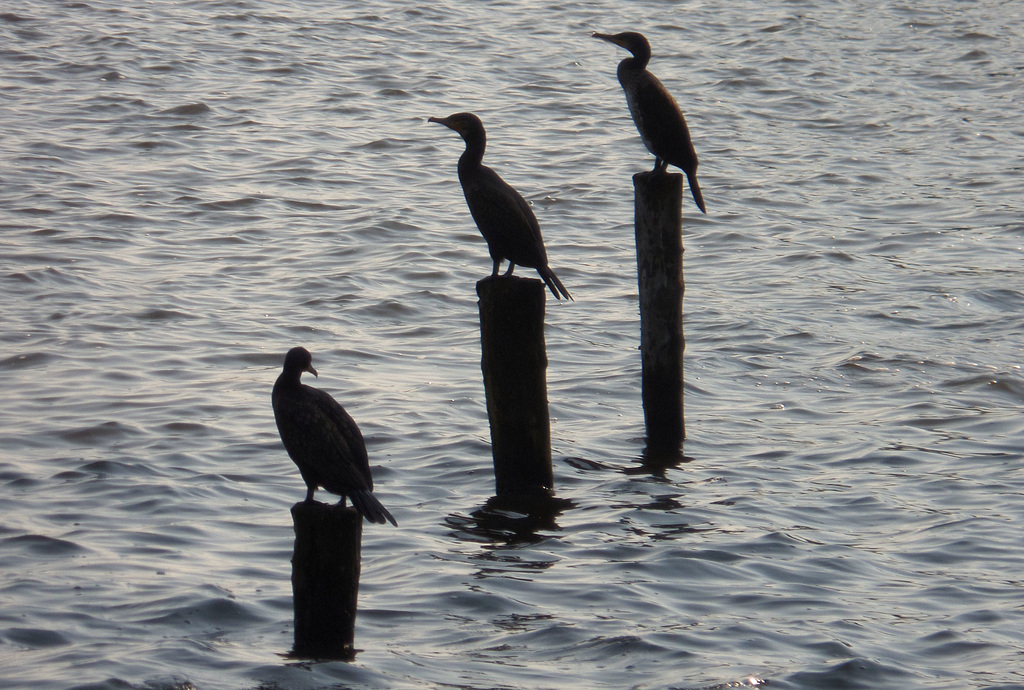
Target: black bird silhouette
504,218
323,440
658,119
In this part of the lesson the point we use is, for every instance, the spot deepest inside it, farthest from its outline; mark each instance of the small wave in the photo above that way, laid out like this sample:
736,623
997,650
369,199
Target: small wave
31,359
218,612
388,308
957,648
854,674
35,638
602,648
163,315
999,298
126,218
1005,384
187,427
312,205
187,110
381,145
41,545
974,56
35,211
97,433
231,204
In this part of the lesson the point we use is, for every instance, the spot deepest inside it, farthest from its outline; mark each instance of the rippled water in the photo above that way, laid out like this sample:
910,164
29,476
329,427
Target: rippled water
188,189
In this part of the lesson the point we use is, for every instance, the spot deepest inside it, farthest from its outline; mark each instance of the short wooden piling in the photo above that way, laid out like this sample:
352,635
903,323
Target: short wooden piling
325,579
659,258
514,366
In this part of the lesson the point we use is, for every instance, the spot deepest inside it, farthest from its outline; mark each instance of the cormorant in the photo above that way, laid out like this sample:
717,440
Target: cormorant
657,117
505,219
323,439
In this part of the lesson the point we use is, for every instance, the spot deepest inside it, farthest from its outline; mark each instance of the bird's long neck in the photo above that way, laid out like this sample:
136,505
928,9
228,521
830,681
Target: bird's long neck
641,55
636,63
473,156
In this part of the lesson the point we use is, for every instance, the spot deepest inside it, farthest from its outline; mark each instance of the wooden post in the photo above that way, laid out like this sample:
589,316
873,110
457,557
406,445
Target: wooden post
659,259
514,365
325,579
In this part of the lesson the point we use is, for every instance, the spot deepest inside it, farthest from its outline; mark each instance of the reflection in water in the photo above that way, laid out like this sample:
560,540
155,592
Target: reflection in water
519,622
305,661
659,504
664,522
657,459
498,561
587,465
510,520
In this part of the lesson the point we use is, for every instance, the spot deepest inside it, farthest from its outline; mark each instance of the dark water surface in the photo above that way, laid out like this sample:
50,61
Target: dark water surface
188,189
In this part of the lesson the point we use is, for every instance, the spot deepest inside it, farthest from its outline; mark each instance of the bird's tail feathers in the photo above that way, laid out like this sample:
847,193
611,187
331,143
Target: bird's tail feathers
695,190
370,508
554,284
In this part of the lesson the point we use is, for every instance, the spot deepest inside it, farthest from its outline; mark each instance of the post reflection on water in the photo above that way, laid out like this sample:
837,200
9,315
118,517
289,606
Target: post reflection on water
658,459
514,520
523,520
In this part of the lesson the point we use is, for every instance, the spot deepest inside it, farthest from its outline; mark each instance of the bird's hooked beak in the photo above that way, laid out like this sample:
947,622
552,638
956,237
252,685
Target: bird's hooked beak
312,371
443,121
607,37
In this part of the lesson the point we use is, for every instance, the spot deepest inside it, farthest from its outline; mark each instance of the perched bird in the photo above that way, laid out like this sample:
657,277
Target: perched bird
323,439
657,117
505,219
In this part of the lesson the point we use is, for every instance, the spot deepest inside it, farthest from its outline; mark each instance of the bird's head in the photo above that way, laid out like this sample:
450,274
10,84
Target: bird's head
632,41
466,124
299,360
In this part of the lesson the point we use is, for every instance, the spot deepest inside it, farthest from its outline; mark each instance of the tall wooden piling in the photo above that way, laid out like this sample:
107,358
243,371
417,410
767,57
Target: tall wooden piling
514,366
659,258
325,579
